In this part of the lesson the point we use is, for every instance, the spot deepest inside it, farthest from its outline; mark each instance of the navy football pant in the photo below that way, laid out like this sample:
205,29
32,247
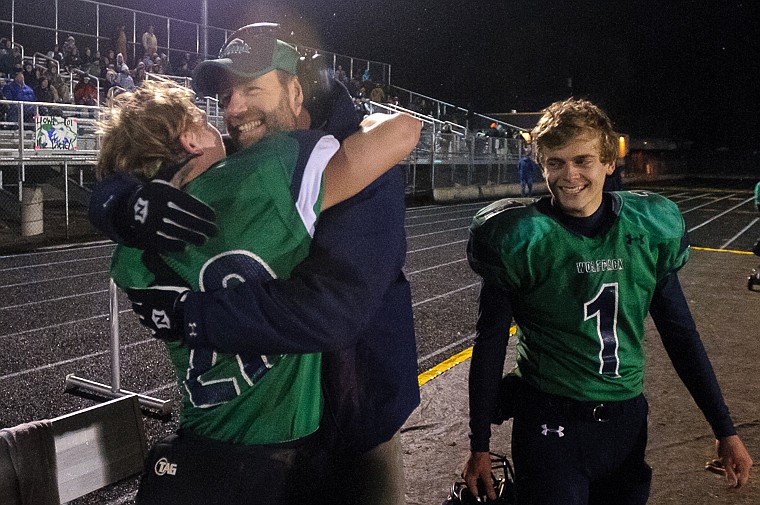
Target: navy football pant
563,456
188,469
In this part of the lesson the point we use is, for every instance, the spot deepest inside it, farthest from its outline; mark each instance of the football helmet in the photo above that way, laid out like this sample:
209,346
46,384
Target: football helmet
504,484
753,279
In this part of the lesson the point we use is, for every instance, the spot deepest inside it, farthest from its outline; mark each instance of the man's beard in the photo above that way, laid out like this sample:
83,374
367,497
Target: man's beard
280,119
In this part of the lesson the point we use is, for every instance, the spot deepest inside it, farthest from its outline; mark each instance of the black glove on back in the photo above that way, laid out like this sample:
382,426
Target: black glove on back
164,218
161,309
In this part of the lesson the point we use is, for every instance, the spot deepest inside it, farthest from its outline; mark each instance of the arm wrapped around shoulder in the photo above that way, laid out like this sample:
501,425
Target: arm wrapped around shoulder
382,141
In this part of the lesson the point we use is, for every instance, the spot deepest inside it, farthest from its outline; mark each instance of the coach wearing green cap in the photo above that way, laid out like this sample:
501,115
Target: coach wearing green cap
255,79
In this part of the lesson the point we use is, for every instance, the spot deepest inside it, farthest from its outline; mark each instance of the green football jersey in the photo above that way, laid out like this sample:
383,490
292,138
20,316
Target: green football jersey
267,199
580,302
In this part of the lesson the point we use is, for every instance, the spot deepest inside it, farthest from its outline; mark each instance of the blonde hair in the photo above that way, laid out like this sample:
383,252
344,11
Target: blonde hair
565,120
141,129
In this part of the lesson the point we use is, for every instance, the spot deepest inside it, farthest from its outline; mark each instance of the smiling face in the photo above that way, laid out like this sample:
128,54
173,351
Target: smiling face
575,175
256,108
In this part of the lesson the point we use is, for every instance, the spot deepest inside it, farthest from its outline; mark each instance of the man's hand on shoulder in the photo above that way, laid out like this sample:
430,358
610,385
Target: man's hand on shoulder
161,309
164,218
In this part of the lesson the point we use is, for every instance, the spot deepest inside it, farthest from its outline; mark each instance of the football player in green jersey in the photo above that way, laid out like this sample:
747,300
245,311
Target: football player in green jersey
246,421
754,276
579,270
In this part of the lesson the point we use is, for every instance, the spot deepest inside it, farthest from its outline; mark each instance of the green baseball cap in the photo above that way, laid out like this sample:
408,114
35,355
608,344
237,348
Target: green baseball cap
249,53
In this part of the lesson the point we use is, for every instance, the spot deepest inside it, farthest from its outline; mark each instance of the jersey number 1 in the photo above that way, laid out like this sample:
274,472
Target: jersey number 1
604,307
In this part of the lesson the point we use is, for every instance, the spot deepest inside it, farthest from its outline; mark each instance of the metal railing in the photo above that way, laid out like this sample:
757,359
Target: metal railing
48,59
440,109
21,48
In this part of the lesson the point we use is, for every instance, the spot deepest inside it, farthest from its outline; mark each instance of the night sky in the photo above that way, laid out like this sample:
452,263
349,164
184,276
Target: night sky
678,69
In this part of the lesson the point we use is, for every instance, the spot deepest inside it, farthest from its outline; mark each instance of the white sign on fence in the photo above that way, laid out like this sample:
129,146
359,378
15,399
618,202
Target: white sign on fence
53,132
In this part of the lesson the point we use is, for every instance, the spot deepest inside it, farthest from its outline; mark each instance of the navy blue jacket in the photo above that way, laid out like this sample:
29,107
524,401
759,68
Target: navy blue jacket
348,297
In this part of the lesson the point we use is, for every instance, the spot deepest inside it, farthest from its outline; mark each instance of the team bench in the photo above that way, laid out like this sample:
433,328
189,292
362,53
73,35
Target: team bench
57,460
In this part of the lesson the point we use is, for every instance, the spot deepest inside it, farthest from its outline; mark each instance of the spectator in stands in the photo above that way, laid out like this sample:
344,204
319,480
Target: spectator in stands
149,41
39,72
56,81
526,168
183,70
445,136
158,65
124,80
105,64
148,61
6,59
45,92
18,90
494,131
55,54
340,75
87,59
139,74
94,68
109,81
120,41
377,94
426,108
120,61
72,61
85,92
30,77
111,55
69,46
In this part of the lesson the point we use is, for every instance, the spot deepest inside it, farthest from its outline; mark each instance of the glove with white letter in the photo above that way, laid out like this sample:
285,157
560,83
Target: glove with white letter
163,218
161,310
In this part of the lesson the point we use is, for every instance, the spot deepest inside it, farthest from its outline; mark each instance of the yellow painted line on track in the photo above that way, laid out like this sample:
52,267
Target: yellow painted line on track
721,250
450,363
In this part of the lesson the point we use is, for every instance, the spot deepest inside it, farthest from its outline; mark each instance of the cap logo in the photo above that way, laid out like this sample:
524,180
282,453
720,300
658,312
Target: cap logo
236,46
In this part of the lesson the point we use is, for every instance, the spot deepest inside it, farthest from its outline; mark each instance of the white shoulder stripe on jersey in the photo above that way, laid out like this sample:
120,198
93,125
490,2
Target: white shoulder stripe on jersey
311,183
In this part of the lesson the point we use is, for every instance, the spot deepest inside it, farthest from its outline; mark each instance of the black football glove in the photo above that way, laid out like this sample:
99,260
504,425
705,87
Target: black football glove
161,310
164,218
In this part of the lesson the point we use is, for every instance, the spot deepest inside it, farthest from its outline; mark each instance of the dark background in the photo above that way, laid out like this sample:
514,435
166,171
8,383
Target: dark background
685,70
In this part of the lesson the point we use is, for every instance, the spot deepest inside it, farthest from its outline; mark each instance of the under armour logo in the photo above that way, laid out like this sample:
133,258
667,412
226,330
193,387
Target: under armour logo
546,430
160,319
141,210
630,239
163,467
191,329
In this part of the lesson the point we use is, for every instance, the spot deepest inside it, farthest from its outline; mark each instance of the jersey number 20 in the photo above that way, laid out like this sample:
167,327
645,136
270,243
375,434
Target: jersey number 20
223,271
